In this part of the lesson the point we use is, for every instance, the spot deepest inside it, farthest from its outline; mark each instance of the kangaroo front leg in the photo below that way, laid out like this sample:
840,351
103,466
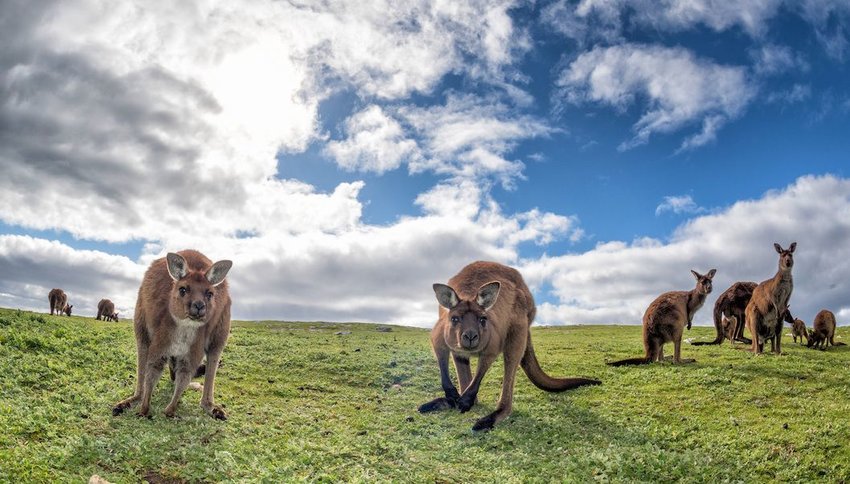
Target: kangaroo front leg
207,403
467,399
182,375
464,373
513,355
452,396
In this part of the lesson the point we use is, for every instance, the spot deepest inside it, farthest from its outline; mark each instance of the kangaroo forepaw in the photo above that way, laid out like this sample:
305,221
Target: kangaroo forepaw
465,403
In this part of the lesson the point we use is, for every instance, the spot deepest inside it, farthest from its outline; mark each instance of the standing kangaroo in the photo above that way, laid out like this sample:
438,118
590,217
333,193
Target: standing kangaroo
665,320
105,310
766,309
823,332
182,313
731,302
486,310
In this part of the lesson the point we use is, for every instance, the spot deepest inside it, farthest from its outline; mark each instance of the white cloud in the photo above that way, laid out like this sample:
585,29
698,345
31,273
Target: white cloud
375,142
776,59
679,89
616,281
678,204
797,93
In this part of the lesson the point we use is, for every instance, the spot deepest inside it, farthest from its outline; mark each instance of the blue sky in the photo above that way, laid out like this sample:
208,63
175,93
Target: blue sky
603,147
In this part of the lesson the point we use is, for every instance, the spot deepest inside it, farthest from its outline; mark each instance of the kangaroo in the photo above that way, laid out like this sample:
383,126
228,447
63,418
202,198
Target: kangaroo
665,320
766,308
114,316
823,333
730,328
105,310
182,314
798,327
731,302
486,310
58,301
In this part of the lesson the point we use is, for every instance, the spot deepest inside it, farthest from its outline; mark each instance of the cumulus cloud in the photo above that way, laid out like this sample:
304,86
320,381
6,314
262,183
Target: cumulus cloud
678,204
616,281
679,89
375,142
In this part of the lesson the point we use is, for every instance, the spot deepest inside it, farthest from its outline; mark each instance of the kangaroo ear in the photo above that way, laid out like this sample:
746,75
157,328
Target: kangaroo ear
488,293
711,273
218,272
777,247
695,273
446,296
176,266
792,247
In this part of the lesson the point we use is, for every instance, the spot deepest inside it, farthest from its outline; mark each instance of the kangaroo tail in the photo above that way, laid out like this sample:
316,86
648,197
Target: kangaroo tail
718,325
839,344
545,382
631,361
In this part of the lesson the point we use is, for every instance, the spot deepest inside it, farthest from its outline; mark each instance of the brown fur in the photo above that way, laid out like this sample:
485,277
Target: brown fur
730,328
182,314
486,310
798,327
665,319
58,302
105,310
766,309
823,332
732,302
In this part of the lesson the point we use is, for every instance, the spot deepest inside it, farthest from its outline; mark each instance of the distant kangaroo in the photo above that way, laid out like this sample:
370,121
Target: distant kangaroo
766,309
105,310
182,313
823,333
58,302
665,320
486,310
731,302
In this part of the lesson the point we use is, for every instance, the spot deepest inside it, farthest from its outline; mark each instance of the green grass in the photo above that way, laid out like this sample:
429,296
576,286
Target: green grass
307,404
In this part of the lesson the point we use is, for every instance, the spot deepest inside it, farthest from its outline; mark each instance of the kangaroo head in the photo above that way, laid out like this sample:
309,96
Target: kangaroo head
192,291
810,341
67,309
786,257
704,281
468,327
786,316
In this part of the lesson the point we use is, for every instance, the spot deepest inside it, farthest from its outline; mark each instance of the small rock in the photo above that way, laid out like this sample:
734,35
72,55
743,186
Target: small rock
96,479
197,386
383,329
393,364
785,426
396,386
271,380
362,432
409,418
357,350
340,333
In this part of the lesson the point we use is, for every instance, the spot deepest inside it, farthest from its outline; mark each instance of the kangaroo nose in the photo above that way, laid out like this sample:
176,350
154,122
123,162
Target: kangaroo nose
470,339
198,308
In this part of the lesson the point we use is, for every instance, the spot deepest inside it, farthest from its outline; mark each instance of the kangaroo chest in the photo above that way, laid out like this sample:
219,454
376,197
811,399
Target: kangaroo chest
183,337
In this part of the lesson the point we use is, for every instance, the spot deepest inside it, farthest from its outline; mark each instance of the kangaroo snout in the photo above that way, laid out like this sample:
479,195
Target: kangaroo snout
470,339
197,309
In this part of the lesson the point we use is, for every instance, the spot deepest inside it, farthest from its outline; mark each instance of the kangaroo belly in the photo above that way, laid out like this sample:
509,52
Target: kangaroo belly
183,338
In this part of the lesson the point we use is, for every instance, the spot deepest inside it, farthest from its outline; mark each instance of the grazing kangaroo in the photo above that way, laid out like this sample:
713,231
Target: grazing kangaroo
766,309
182,313
486,310
105,310
823,333
59,302
665,320
731,302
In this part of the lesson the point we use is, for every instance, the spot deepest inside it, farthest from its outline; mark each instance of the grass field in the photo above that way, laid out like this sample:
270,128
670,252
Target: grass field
308,404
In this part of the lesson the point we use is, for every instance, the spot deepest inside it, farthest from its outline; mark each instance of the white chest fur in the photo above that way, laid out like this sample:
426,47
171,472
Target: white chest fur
183,336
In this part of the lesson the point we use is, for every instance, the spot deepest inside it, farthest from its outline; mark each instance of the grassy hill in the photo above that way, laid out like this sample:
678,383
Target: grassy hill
306,403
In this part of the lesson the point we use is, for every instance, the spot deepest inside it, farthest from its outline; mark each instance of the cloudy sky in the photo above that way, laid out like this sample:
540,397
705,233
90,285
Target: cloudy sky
346,155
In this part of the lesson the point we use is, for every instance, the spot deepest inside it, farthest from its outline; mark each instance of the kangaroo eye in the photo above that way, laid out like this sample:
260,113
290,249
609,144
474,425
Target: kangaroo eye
455,319
208,295
482,320
182,291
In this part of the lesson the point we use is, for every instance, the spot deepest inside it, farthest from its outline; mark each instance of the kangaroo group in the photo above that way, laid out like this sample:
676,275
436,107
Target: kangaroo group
182,317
